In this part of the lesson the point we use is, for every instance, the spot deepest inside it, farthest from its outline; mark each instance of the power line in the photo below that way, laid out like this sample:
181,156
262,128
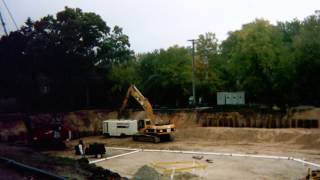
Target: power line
3,25
14,22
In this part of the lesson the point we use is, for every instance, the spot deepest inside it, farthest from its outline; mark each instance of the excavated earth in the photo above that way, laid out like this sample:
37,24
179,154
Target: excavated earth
191,135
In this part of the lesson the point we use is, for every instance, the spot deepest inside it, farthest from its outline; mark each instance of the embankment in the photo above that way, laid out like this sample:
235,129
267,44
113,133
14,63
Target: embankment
89,122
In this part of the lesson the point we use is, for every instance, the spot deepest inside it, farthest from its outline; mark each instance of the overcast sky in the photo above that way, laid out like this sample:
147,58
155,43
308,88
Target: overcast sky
154,24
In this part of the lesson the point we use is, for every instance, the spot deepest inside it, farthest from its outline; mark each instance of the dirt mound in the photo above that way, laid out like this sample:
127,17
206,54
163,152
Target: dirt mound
147,173
313,113
305,137
181,119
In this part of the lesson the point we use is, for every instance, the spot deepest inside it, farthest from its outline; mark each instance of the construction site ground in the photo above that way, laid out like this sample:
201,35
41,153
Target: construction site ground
222,167
298,143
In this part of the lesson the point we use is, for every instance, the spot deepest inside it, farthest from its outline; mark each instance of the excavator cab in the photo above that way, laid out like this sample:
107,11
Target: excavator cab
143,124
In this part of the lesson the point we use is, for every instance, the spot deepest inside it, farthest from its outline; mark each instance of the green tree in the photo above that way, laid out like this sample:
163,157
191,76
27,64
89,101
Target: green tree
307,61
166,75
290,31
284,78
207,45
255,55
68,54
208,68
124,75
115,49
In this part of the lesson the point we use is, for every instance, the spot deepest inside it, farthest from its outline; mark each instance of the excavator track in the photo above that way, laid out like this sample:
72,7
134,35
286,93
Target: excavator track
146,138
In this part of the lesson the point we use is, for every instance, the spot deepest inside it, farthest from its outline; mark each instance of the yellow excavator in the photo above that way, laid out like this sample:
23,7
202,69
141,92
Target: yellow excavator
148,130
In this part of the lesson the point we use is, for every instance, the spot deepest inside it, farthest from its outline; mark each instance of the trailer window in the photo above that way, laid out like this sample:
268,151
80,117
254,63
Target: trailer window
122,125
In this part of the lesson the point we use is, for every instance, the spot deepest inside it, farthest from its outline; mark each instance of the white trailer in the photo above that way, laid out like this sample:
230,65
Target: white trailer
119,127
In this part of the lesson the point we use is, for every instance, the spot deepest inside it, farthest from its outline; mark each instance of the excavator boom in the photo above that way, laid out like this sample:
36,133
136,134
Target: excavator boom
143,101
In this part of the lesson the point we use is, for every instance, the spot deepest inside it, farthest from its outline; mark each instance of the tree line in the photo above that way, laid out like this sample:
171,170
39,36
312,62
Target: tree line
75,61
274,64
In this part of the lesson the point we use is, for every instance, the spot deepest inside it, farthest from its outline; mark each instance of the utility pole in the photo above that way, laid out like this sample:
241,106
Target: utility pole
193,75
3,25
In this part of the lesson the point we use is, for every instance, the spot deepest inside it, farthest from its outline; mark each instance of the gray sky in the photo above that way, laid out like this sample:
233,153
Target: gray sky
154,24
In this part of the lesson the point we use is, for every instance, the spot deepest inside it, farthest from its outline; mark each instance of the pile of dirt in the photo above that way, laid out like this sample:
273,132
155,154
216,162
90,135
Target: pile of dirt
313,113
182,119
308,138
149,173
146,172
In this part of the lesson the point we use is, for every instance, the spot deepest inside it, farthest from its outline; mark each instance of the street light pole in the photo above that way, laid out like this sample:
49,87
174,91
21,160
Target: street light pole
193,74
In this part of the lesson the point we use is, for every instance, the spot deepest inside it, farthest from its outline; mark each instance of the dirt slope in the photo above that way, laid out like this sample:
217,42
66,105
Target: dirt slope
306,138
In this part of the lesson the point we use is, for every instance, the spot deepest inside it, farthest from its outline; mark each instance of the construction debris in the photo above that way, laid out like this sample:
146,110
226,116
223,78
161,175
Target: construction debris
313,175
197,157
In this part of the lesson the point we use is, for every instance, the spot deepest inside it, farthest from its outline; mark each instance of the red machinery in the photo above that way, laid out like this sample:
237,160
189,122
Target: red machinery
49,131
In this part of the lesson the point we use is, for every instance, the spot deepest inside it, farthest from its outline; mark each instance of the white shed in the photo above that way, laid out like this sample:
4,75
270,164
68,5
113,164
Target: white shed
231,98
